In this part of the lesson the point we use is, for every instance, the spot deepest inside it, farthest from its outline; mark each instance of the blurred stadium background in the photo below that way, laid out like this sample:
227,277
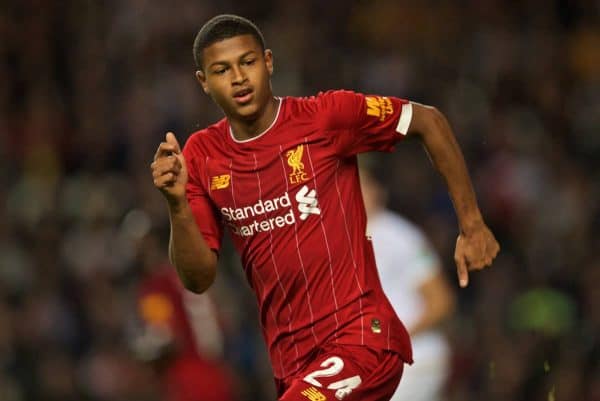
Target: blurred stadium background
89,88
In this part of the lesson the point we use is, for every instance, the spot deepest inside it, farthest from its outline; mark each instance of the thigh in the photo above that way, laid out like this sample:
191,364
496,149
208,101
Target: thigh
349,373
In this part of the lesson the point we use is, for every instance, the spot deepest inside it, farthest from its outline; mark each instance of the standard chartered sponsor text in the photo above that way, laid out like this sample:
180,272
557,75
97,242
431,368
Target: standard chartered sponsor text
259,209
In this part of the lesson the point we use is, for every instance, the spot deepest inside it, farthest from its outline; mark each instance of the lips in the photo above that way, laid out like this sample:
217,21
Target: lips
244,95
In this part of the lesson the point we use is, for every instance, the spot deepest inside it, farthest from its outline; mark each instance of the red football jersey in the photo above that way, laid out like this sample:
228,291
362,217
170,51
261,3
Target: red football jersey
290,198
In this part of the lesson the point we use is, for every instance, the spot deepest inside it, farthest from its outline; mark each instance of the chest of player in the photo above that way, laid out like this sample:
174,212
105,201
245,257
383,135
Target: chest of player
271,187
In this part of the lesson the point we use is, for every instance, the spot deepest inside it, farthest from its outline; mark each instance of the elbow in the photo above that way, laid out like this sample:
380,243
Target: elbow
193,286
197,286
195,289
197,280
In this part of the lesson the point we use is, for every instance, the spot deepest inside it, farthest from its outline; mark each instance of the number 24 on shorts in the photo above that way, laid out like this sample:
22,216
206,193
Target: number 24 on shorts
332,366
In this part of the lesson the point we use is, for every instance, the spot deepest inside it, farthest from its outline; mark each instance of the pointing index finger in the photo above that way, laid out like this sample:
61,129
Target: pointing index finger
462,271
170,138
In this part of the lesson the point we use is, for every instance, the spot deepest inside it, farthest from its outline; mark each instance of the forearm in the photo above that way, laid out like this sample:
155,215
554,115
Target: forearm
441,145
188,251
476,246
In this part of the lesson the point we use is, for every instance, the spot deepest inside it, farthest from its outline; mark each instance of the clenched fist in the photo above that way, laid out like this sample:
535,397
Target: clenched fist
474,251
169,170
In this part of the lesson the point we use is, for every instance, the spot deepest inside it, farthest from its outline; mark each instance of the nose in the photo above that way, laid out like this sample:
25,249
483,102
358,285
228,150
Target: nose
238,76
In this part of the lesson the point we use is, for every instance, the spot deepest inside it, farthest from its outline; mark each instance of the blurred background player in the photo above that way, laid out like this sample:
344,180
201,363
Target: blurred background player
409,269
181,335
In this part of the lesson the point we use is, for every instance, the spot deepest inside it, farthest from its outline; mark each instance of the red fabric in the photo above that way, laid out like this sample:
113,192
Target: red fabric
161,290
190,378
349,373
291,200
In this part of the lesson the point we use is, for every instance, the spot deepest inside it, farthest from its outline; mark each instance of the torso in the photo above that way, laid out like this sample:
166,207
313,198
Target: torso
295,214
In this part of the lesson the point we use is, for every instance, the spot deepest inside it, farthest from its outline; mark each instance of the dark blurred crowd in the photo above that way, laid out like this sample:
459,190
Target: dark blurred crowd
90,87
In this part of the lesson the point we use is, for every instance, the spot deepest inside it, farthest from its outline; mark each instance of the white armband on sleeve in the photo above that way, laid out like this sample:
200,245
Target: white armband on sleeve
405,118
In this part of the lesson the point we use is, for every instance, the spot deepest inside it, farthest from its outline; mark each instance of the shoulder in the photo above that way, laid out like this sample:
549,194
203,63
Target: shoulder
301,105
333,99
330,109
322,100
207,141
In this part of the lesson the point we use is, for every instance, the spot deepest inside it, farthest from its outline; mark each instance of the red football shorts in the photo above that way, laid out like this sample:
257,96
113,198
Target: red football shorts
344,372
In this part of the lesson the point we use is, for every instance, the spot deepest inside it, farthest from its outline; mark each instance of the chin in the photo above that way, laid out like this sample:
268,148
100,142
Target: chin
248,112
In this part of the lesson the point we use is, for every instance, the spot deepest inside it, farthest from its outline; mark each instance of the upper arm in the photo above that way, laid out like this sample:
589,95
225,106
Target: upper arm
424,119
358,123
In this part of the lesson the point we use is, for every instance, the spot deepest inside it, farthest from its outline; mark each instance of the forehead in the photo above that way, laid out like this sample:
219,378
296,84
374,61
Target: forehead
230,49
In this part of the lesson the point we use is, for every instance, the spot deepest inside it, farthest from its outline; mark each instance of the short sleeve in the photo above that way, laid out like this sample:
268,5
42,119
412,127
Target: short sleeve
364,123
205,213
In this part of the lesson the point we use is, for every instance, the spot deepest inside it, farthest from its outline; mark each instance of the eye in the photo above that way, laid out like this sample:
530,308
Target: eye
249,61
220,71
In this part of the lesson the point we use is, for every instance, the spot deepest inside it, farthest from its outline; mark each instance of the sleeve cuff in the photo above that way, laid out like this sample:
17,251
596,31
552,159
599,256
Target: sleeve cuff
405,118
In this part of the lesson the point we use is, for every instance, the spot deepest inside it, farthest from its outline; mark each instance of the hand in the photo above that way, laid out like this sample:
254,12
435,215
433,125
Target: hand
474,251
169,170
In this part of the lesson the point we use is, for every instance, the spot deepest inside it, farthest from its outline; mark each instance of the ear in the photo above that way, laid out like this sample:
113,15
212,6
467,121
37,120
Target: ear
269,60
201,77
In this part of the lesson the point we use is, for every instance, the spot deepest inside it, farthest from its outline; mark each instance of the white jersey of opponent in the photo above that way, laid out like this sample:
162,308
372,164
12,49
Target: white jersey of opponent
405,260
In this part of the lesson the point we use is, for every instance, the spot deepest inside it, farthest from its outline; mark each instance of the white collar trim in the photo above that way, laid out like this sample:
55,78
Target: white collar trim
262,133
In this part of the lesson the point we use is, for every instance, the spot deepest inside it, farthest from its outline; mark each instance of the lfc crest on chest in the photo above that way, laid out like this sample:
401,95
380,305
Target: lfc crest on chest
297,173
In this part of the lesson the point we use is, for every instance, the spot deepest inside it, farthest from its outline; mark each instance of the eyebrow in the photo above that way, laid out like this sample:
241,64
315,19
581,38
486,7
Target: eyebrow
226,63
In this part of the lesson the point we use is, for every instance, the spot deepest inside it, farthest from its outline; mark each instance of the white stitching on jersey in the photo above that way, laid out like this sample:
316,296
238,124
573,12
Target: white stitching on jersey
362,318
312,316
275,266
312,167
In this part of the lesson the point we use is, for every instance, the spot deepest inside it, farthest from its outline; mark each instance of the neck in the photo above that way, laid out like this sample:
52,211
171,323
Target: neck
248,129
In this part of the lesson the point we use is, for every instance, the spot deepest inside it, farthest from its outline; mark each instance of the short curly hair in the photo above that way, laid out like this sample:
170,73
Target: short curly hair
221,27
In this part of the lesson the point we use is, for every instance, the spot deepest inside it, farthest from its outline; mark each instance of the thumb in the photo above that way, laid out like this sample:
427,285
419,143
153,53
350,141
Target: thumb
463,271
170,138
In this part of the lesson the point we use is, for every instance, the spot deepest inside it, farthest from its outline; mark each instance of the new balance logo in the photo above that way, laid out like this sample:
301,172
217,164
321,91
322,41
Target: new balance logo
307,202
313,394
220,182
